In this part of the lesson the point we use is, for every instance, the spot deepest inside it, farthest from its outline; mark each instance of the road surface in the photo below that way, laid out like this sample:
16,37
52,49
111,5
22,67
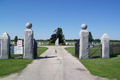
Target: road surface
56,65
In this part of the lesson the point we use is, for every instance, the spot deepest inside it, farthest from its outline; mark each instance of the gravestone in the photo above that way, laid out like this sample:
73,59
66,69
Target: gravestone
5,46
57,41
77,48
84,42
66,43
39,43
69,43
28,42
73,43
105,41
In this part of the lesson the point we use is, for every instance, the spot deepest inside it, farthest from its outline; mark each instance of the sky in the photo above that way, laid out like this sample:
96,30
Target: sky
101,16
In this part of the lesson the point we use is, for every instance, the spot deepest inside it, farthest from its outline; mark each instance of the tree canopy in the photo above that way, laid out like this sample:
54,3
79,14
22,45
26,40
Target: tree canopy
59,34
90,37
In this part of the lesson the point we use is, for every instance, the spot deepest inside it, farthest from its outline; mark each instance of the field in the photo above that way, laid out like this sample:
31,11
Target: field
9,66
108,68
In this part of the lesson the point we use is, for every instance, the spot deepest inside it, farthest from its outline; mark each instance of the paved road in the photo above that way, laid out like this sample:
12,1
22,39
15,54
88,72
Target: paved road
56,66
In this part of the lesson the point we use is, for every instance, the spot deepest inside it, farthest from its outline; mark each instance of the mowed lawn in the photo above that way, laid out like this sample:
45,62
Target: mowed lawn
9,66
108,68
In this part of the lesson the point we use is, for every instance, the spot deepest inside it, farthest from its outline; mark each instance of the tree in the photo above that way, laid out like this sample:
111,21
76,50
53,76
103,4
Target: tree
59,34
90,37
97,40
15,39
59,31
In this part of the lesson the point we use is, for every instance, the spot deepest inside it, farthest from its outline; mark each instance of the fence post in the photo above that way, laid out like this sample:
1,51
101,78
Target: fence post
84,42
5,46
28,42
100,50
35,48
105,41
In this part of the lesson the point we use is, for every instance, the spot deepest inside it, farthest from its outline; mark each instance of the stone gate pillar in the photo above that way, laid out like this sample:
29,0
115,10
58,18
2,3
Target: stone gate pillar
28,42
105,41
5,46
84,42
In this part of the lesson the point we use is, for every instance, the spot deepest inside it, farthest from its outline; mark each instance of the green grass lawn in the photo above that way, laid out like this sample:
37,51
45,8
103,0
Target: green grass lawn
40,50
108,68
8,66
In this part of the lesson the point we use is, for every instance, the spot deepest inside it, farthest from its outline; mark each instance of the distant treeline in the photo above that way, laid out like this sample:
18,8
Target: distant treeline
95,40
98,40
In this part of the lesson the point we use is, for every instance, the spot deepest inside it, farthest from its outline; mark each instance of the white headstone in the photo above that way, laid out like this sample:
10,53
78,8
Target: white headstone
57,41
66,43
73,43
105,41
69,43
39,43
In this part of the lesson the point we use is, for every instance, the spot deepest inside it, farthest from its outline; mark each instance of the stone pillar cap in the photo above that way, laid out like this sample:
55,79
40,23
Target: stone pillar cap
83,26
5,34
105,36
28,25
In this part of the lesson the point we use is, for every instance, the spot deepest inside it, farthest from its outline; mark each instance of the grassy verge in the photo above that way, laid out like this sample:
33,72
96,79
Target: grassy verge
109,68
8,66
55,51
12,66
40,50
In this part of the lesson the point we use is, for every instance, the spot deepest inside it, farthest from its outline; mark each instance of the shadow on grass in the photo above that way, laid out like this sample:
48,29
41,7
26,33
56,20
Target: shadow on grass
16,56
111,56
46,57
114,55
93,57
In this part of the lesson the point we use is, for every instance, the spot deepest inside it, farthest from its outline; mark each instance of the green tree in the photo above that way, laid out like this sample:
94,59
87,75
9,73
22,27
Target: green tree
15,39
90,37
59,34
59,31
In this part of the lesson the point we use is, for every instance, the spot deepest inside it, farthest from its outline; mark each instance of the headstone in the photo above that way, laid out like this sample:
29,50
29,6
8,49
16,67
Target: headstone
91,45
84,42
105,41
69,43
42,43
28,42
73,43
39,43
5,46
77,48
57,41
66,43
13,43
